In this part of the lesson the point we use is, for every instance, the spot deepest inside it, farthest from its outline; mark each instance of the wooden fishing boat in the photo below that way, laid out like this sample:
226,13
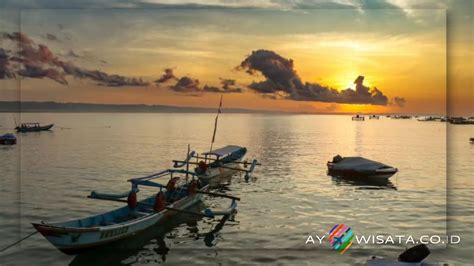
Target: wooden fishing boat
181,191
7,139
219,164
32,127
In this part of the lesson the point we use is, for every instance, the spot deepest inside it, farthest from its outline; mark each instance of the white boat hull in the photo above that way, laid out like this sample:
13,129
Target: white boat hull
220,174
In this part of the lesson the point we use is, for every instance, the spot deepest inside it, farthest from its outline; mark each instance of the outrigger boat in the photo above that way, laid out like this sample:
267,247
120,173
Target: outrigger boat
32,127
182,191
219,164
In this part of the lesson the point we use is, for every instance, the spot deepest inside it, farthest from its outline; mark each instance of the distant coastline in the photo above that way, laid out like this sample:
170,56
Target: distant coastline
56,107
69,107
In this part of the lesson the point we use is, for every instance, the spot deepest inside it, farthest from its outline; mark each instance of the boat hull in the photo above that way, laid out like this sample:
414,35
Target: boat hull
34,129
73,240
7,141
378,174
216,175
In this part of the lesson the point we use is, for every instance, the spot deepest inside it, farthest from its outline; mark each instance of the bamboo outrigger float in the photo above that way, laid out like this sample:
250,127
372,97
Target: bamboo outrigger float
181,191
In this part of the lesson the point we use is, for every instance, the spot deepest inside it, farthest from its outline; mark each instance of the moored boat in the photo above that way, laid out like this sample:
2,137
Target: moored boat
413,256
358,118
33,127
374,117
401,117
219,164
181,191
7,139
359,167
461,121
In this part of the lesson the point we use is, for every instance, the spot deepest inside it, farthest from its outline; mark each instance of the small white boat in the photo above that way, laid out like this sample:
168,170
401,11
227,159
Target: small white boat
181,192
359,167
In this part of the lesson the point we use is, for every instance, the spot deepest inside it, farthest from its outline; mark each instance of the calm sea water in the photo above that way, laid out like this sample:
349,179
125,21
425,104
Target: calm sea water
48,175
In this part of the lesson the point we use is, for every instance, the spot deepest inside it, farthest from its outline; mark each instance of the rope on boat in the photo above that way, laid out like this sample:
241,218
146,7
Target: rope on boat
17,242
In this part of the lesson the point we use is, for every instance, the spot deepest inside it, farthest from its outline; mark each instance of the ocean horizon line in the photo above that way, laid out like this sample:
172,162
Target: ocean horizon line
84,107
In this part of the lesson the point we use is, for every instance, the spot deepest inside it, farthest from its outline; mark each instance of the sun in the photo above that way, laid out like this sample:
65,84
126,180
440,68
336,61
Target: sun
351,86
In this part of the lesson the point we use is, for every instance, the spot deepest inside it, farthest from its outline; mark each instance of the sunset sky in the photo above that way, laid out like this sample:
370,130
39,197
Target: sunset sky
269,55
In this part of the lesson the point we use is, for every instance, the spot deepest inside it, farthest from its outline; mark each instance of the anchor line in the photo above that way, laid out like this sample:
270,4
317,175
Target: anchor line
17,242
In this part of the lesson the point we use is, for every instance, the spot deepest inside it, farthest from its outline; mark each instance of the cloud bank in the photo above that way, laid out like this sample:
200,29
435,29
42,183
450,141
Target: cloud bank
192,86
38,61
281,78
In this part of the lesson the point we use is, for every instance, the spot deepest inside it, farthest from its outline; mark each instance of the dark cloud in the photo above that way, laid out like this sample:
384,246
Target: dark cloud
192,86
5,66
38,61
399,101
281,78
168,75
38,72
228,86
186,84
100,77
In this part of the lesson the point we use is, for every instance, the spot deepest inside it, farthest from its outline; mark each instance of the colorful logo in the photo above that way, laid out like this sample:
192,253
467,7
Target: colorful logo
341,237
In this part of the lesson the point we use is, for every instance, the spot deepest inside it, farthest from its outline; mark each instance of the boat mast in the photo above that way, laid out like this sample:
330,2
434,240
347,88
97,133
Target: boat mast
14,119
215,124
187,163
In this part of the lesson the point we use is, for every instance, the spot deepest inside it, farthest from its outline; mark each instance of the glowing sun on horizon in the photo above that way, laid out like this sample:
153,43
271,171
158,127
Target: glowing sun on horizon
351,86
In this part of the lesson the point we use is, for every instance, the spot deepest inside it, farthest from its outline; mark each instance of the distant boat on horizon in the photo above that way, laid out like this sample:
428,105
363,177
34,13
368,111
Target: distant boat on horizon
358,118
32,127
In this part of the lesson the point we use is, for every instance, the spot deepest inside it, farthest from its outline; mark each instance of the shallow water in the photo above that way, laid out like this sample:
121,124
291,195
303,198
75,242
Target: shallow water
289,198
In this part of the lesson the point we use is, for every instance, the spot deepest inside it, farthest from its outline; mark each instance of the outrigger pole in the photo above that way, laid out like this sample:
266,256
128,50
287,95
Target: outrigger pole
215,124
221,166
